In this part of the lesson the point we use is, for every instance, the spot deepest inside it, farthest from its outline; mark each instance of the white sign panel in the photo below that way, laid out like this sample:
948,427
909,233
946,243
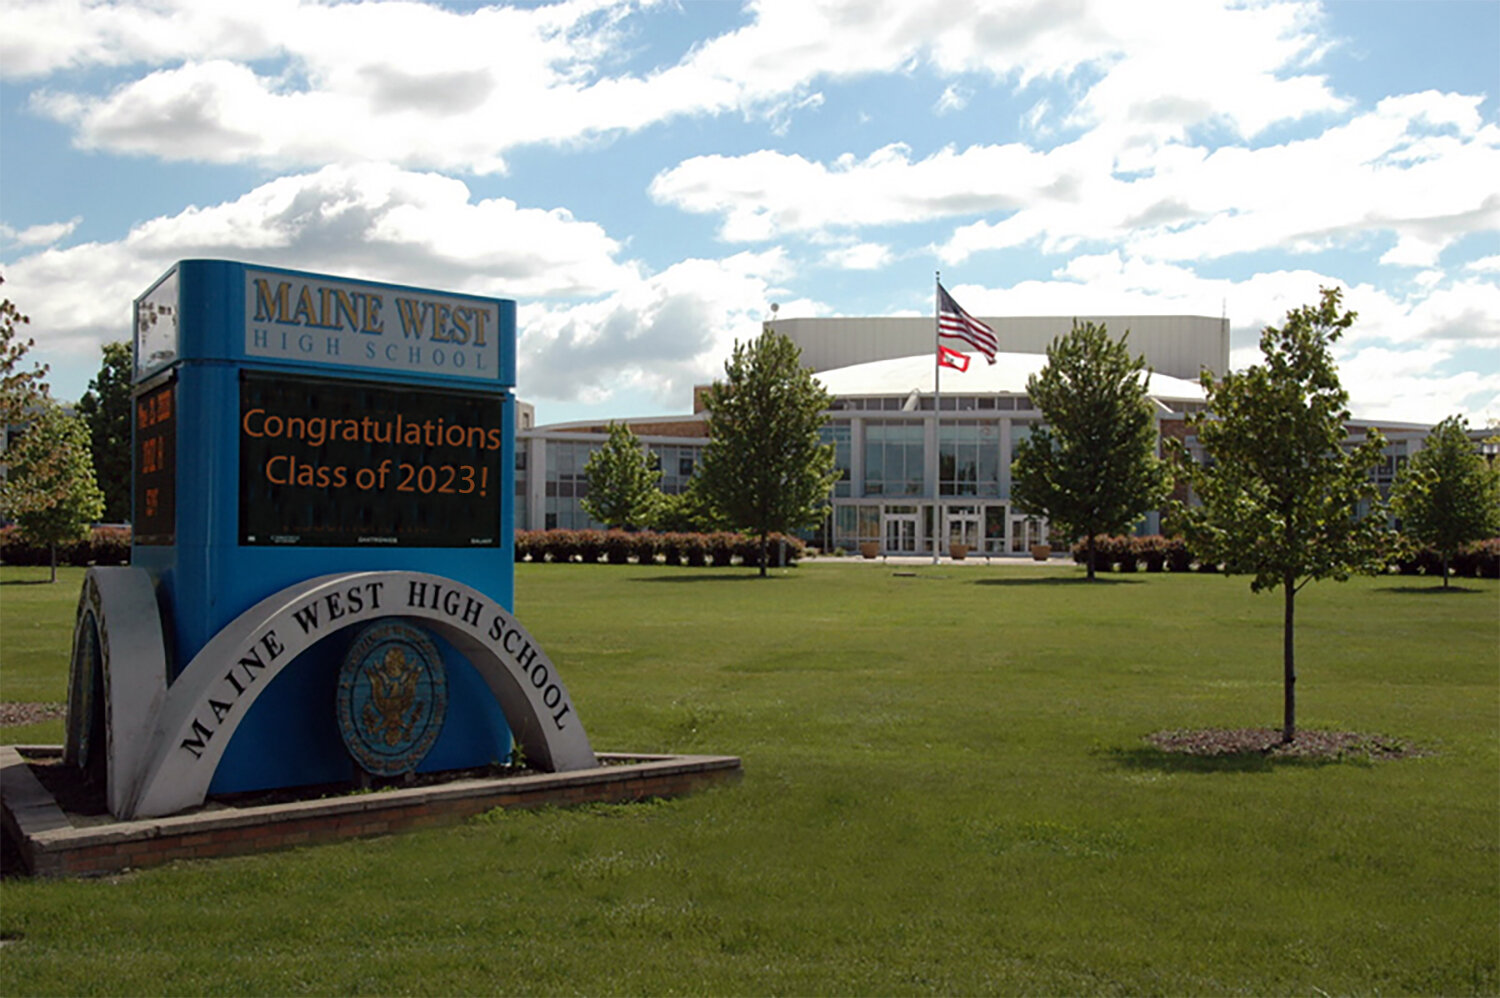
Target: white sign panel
349,324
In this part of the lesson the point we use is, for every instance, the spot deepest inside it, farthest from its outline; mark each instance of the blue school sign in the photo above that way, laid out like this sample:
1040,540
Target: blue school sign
323,475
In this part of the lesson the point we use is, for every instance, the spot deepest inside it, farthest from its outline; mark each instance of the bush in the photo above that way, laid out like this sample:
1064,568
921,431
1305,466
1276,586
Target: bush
590,546
1179,558
529,545
1478,560
1151,551
561,545
111,545
721,547
671,547
695,549
1488,558
618,547
103,546
646,545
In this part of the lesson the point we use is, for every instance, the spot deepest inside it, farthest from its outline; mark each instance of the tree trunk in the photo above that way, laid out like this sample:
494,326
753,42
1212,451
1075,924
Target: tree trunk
764,554
1445,569
1092,555
1289,667
53,549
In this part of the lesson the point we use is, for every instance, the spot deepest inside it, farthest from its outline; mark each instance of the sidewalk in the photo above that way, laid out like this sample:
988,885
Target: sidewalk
918,560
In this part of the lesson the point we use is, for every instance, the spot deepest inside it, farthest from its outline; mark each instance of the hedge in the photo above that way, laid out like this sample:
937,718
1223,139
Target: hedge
103,546
1153,552
1156,553
619,547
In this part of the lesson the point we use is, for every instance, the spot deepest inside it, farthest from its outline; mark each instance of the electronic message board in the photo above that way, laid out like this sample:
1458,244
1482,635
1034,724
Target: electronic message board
342,463
155,520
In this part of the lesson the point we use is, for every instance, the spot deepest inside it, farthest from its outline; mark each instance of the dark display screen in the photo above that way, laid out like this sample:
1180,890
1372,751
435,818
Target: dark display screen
347,463
155,520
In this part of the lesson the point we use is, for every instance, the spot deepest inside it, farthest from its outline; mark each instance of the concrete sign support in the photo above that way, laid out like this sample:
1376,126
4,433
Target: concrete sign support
313,453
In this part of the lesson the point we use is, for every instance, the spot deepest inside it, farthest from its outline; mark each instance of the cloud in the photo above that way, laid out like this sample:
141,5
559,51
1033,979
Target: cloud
341,82
39,235
860,256
372,221
660,332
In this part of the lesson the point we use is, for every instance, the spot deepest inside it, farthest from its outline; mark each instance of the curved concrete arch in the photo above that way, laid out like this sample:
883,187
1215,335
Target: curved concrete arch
118,616
207,701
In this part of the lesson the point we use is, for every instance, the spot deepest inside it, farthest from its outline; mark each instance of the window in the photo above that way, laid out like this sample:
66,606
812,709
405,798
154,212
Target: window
567,484
839,434
969,459
893,458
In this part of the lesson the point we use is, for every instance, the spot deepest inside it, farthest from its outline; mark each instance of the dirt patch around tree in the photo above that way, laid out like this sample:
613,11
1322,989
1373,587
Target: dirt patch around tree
1309,744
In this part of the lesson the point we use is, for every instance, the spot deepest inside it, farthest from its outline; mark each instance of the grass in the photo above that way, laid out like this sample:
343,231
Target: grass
946,790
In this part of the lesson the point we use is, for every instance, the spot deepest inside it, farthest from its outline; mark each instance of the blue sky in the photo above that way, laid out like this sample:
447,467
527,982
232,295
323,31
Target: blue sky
646,178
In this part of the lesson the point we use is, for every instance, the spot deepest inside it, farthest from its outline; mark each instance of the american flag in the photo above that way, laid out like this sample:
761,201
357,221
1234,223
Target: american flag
955,323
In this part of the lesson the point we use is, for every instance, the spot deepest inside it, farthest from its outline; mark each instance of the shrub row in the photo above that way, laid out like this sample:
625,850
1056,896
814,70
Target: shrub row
1478,560
618,547
103,546
1155,553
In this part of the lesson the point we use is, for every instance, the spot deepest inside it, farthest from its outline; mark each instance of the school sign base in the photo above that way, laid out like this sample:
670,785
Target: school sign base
52,843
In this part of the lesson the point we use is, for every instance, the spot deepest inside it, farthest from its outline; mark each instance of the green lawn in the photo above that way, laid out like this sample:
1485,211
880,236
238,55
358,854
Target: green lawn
946,790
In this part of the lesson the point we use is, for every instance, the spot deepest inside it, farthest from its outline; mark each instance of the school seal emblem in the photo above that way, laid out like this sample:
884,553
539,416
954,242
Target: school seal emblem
393,696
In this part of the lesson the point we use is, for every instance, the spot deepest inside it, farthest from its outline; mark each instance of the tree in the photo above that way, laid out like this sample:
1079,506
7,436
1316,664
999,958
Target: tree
622,480
20,389
21,392
106,409
52,466
1447,496
765,468
1092,469
1281,495
688,511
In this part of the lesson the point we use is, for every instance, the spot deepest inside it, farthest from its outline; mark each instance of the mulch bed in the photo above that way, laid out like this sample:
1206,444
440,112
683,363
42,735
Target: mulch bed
30,713
1309,744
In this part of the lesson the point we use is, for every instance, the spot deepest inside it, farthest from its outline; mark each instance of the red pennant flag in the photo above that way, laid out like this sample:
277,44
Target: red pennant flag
953,358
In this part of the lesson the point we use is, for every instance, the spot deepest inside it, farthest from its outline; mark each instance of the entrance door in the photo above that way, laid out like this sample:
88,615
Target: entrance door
900,533
1024,532
964,527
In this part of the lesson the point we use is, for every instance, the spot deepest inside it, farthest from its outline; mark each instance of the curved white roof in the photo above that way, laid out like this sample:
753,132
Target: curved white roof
1007,376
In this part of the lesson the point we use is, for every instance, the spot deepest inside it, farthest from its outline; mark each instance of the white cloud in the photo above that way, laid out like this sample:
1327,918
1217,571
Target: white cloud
348,81
1418,167
659,332
371,221
952,99
661,335
860,256
39,235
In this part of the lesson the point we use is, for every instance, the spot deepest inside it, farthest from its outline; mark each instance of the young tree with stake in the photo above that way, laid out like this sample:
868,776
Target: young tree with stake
1282,499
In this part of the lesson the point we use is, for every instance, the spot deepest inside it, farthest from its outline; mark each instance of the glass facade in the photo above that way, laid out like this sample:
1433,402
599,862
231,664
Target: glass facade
969,459
677,462
838,433
894,458
567,485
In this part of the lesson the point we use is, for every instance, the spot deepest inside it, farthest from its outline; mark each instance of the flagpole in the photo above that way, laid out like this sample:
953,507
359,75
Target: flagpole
937,412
